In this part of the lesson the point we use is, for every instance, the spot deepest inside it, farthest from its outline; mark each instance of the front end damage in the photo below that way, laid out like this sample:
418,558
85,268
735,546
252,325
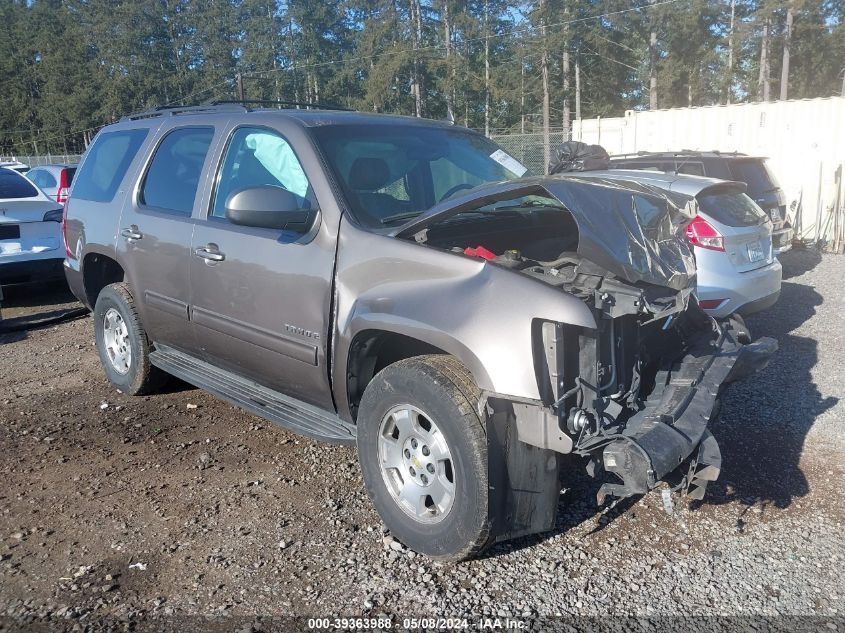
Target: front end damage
635,394
641,393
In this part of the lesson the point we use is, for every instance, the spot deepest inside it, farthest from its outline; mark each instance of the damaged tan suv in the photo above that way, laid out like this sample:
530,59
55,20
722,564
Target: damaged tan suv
406,285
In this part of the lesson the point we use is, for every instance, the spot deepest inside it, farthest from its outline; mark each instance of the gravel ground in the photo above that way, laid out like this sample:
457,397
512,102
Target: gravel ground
119,509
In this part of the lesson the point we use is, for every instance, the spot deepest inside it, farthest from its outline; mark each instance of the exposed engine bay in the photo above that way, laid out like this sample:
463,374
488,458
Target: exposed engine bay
636,394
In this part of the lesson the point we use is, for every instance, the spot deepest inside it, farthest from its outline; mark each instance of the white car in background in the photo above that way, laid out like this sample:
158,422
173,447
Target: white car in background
31,244
54,180
737,270
15,165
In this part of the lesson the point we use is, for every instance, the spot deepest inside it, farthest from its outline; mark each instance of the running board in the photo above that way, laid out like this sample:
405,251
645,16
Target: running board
292,414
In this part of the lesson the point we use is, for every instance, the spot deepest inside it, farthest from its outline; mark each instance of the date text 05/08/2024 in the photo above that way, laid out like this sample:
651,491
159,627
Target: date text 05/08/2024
417,624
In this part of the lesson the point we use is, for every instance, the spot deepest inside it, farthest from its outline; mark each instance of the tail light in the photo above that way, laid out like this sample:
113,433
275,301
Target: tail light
710,304
68,252
64,187
701,233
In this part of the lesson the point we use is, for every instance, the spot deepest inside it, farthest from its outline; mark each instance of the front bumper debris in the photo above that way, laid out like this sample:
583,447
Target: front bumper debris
663,436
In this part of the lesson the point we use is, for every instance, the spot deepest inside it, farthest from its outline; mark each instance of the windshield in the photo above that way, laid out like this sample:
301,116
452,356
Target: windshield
732,209
392,173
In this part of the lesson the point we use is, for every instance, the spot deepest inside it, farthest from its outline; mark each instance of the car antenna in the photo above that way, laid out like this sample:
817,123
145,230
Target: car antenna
678,168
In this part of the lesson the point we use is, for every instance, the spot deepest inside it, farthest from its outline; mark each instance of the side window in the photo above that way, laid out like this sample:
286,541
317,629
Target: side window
42,178
640,165
174,174
106,164
257,157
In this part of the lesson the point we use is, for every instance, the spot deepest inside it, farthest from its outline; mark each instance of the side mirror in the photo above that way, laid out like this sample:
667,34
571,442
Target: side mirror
267,207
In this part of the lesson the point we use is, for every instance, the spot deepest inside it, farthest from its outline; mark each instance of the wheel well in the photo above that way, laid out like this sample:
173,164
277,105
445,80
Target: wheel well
98,272
373,350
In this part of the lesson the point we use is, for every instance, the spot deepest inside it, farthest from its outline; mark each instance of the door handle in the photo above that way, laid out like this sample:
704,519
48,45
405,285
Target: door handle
205,252
131,234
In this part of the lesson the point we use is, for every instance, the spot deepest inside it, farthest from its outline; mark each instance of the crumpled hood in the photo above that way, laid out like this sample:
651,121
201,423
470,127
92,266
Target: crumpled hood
632,230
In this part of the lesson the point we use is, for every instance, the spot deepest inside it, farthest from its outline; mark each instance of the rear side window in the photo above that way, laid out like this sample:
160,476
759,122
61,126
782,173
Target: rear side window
174,174
42,178
640,165
732,208
13,185
756,175
693,169
106,164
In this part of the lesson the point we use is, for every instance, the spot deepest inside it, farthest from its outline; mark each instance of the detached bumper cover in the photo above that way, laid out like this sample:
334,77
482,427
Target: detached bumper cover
666,433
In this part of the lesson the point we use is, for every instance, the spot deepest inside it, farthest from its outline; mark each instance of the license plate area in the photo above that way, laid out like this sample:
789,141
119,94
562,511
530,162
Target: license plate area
10,232
755,252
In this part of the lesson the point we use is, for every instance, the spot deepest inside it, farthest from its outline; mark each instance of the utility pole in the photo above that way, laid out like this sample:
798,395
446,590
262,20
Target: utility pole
565,122
239,82
784,69
450,66
730,82
486,69
544,70
578,95
763,80
564,67
652,56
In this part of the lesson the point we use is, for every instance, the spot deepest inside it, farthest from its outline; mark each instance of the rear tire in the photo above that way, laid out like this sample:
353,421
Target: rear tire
122,342
422,446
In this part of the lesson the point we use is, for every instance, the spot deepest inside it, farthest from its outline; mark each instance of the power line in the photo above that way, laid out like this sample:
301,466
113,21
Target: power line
41,139
433,47
465,41
194,94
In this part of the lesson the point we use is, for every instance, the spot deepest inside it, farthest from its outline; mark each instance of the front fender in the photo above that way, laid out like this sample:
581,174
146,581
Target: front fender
476,311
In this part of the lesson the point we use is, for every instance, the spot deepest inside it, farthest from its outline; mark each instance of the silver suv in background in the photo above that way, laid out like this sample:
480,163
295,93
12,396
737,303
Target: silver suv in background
731,238
405,285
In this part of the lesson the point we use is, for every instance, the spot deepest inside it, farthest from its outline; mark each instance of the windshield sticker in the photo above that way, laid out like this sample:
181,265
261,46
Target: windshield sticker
508,162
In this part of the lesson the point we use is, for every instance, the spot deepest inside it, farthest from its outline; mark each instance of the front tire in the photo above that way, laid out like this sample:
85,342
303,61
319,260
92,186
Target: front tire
422,446
122,342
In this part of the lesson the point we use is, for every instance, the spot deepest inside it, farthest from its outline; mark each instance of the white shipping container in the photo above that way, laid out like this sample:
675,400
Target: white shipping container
804,141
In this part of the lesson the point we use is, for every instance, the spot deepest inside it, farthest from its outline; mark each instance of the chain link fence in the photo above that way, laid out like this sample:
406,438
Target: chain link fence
528,148
44,159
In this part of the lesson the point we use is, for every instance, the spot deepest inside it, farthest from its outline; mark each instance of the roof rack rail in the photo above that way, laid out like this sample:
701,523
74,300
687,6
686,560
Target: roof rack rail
294,104
172,111
682,152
